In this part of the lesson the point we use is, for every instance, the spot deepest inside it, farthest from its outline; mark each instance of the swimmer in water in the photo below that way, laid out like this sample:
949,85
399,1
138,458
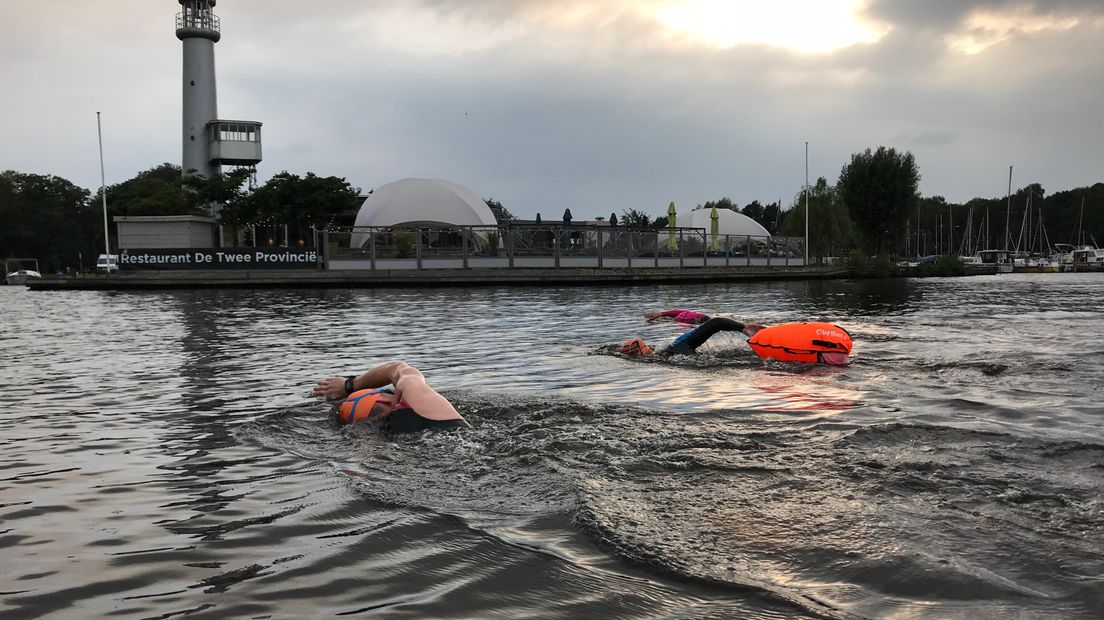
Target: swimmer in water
409,407
810,342
688,317
689,342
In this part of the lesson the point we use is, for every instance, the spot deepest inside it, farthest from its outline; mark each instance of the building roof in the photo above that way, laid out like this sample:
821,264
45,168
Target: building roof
729,222
422,202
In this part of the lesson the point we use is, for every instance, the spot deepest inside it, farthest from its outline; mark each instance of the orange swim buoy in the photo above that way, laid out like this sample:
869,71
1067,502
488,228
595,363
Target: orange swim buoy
803,342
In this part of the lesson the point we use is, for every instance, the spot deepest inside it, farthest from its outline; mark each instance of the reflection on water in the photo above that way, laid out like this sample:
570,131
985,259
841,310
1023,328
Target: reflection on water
161,455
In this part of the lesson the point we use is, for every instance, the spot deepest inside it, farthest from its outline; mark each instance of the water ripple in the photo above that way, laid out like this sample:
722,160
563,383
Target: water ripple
162,456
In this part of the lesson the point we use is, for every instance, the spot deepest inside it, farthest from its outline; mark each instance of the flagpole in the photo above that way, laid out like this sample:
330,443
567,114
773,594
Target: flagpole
806,203
103,194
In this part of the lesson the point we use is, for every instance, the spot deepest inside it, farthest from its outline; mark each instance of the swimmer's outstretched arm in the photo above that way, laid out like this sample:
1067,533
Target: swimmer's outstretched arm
410,386
691,340
651,316
681,316
333,388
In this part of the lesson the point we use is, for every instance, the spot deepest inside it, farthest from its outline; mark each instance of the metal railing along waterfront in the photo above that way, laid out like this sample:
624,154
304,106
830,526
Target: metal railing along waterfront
549,246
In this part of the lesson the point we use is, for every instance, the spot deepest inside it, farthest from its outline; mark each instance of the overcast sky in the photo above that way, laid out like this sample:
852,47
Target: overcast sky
597,105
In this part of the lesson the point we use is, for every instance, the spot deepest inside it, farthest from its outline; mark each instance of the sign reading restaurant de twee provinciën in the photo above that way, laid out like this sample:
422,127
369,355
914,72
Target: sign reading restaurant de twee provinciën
218,258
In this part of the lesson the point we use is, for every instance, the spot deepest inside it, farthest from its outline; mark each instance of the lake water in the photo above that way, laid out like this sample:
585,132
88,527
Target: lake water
161,455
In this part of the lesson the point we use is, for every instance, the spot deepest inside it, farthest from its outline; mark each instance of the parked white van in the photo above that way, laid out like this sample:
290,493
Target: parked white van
108,263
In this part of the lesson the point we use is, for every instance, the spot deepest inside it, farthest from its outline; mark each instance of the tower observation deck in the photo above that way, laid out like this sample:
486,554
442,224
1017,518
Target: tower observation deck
208,143
196,20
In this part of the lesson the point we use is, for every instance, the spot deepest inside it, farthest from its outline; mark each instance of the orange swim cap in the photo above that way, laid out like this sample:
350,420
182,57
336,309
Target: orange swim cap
358,405
636,347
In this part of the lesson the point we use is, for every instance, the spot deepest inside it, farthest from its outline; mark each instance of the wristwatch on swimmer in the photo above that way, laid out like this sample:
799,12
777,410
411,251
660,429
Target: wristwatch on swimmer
350,384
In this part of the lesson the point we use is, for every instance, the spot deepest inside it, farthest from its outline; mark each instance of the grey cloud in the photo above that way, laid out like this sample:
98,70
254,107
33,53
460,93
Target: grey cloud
599,117
512,9
925,138
946,14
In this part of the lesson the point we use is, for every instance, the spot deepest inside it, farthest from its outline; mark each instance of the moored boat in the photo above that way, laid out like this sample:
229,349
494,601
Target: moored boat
21,276
1001,258
1034,264
1087,258
20,270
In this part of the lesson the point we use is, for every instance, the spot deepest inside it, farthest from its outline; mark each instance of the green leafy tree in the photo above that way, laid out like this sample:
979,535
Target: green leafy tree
880,191
772,217
766,215
932,213
1076,216
723,203
226,192
404,243
755,211
830,228
49,219
634,218
300,203
156,191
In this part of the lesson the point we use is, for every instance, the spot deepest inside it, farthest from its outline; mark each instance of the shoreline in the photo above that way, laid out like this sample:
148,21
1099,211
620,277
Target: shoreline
428,277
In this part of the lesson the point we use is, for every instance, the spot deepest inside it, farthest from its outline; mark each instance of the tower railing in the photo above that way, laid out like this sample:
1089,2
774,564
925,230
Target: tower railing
198,20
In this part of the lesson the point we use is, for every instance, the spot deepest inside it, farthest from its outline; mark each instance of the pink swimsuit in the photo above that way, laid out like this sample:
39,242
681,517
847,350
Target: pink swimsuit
686,316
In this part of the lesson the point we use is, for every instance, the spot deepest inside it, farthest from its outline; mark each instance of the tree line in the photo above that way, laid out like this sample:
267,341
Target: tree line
1027,221
61,224
874,208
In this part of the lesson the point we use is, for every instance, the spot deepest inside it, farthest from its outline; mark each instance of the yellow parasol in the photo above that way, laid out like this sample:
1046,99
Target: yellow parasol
715,229
672,240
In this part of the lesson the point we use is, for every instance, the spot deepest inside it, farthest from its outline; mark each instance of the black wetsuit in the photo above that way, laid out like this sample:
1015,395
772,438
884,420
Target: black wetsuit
407,420
689,342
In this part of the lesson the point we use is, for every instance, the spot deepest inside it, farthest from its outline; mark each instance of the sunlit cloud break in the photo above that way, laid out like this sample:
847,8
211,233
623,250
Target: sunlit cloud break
984,29
803,26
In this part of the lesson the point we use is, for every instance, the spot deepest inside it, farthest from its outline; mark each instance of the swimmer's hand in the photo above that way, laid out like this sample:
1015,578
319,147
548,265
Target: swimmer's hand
651,316
751,328
332,388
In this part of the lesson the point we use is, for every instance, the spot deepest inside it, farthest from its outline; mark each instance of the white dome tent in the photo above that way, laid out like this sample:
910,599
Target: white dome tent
729,222
422,202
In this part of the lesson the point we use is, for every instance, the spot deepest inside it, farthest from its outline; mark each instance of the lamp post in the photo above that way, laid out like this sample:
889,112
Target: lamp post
103,194
806,203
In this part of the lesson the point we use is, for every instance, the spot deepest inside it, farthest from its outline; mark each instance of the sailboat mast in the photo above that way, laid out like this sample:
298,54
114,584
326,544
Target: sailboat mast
968,238
988,239
1080,219
1008,210
1026,224
950,230
1022,238
1029,238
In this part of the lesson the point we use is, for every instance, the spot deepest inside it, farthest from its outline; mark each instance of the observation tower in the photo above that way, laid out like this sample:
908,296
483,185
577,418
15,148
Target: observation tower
209,143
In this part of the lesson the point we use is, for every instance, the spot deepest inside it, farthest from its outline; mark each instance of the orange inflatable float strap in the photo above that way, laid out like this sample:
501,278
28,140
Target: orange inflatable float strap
802,342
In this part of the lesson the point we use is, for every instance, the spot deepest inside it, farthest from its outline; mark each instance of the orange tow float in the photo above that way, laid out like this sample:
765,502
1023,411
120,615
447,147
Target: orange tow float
810,343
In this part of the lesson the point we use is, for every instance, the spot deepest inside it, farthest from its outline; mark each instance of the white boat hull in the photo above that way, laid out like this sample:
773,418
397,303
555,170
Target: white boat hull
22,276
